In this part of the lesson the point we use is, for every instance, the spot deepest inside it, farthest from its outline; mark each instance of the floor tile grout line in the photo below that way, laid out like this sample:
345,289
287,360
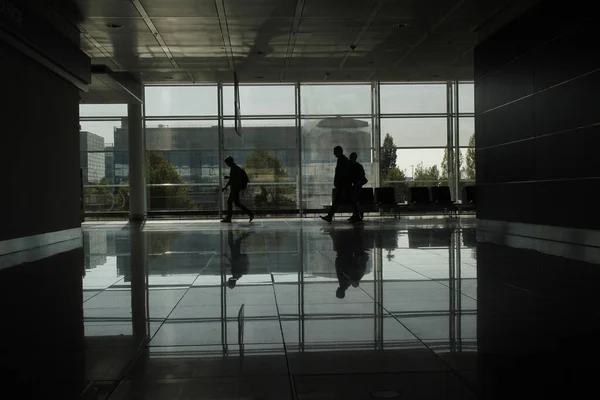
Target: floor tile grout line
105,289
285,350
452,369
179,301
433,280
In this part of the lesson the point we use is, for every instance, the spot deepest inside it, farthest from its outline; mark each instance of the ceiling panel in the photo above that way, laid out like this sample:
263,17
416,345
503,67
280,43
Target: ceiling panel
260,8
259,24
179,8
320,39
195,39
417,8
338,8
98,25
187,24
331,25
107,8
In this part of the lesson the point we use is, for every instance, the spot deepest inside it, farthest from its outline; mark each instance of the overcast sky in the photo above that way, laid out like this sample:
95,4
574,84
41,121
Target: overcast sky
316,100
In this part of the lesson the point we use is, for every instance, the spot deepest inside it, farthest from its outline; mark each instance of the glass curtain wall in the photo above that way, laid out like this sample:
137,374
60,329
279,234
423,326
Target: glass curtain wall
182,148
333,115
465,106
266,146
414,134
104,161
400,133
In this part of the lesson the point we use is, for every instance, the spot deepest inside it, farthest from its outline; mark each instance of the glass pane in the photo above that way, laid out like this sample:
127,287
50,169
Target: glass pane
105,198
466,97
319,137
413,98
103,129
182,135
468,165
414,167
415,132
261,100
263,134
183,180
102,110
335,99
466,129
267,150
181,100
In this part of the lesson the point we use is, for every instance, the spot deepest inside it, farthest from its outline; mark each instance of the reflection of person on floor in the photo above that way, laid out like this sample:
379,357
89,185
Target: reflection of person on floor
238,260
351,259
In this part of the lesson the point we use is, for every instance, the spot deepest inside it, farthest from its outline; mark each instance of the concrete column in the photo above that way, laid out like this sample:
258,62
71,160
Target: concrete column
139,286
137,163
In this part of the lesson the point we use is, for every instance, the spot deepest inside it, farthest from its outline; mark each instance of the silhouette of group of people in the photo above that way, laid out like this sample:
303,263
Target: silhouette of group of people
348,180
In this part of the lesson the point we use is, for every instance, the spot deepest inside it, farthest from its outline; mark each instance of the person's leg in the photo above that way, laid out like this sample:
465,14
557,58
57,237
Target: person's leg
242,207
356,191
355,202
340,194
230,205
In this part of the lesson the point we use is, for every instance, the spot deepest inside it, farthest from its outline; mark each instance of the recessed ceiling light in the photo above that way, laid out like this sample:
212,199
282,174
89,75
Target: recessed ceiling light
259,77
261,52
400,25
114,26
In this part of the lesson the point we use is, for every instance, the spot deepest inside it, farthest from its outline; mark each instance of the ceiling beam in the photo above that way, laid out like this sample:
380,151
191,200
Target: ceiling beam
225,35
100,48
161,42
289,50
412,48
363,30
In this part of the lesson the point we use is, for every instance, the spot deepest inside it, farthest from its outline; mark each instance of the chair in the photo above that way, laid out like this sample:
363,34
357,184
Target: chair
469,194
441,195
419,195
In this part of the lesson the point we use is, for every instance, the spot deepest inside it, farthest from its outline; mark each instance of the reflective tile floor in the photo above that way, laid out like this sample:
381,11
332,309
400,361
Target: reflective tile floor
297,309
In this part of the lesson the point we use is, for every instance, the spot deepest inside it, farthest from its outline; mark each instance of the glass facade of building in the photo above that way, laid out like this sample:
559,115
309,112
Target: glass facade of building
404,134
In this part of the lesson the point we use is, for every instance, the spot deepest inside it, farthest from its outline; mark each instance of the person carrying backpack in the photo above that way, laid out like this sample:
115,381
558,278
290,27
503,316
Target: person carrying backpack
359,179
238,181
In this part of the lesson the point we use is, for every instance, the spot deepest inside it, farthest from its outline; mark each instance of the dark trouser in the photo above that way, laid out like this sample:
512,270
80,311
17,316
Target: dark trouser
234,198
342,194
356,192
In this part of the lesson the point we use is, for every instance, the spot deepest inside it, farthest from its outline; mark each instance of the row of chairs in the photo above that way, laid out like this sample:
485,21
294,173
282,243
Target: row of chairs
432,199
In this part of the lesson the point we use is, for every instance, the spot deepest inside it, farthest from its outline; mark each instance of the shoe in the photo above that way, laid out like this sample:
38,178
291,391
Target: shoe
327,218
226,220
251,217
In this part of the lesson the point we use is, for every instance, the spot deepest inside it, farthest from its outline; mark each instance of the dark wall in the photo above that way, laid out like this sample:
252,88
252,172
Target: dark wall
42,334
536,103
535,336
40,149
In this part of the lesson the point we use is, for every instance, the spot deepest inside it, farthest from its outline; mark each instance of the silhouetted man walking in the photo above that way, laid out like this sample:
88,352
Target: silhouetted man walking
342,183
238,181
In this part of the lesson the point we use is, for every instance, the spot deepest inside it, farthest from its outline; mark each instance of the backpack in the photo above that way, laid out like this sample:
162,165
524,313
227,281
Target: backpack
245,179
